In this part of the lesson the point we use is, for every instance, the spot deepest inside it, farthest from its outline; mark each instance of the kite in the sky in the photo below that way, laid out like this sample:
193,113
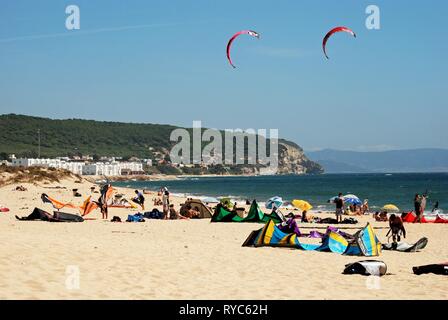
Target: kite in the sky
249,32
333,31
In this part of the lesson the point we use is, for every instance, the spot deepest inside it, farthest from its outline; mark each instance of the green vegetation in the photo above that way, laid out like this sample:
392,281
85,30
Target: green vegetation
19,136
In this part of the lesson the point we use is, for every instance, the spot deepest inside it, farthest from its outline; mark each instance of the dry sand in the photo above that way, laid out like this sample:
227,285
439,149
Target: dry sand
187,259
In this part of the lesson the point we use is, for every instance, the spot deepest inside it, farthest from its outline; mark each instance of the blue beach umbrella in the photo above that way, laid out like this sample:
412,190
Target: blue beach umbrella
352,199
274,202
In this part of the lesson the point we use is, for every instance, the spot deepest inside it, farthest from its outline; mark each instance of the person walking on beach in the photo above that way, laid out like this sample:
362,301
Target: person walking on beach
339,201
417,206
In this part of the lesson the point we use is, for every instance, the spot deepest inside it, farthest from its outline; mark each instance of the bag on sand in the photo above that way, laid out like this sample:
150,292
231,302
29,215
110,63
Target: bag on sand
115,219
138,217
366,268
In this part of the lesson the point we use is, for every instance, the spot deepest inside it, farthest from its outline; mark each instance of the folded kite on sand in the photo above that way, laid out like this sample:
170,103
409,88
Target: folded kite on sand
411,217
366,268
39,214
441,269
362,243
406,247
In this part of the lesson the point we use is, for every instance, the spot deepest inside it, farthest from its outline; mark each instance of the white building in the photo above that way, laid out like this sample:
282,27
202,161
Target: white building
77,167
112,169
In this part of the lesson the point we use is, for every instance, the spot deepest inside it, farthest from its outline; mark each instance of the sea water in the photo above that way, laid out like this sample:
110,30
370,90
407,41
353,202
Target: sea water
379,189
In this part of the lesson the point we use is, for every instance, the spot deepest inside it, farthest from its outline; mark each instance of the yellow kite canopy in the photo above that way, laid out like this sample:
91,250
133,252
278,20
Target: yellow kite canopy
302,205
390,208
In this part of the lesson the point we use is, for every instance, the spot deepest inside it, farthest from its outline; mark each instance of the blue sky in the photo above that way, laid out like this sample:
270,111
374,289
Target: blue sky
164,62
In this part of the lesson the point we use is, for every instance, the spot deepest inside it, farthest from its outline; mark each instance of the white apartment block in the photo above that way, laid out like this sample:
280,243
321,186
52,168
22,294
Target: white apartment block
111,169
82,168
75,167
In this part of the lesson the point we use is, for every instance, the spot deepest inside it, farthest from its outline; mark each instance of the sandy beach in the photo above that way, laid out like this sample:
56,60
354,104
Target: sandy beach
192,259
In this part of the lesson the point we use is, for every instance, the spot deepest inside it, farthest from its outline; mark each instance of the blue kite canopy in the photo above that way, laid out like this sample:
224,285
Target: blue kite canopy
364,242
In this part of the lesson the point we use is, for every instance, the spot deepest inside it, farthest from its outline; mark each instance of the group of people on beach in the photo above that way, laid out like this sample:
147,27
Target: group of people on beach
352,209
186,211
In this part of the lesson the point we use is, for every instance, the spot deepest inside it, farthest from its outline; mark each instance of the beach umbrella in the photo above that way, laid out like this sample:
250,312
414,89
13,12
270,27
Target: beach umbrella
209,200
352,199
390,208
274,202
226,202
302,205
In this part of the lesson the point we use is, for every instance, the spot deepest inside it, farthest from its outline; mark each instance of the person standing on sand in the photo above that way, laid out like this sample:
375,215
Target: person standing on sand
423,203
436,206
165,202
417,206
365,207
339,201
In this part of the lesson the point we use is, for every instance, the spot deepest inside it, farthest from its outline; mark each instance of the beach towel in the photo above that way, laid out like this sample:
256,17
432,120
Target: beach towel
366,268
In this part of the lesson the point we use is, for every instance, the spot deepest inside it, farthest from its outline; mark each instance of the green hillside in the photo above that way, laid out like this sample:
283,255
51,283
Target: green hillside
19,136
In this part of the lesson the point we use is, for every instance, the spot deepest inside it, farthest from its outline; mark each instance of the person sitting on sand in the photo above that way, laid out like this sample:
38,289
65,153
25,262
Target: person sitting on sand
140,199
189,212
347,211
352,207
380,216
157,202
174,214
304,216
